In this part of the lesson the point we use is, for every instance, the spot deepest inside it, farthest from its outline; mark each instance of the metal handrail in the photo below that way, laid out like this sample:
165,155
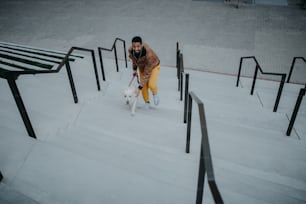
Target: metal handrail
177,60
12,75
292,66
296,110
66,62
206,165
34,49
115,52
186,96
180,76
257,67
180,72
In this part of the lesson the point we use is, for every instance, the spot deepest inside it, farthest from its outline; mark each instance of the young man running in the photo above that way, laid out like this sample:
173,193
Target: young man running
147,62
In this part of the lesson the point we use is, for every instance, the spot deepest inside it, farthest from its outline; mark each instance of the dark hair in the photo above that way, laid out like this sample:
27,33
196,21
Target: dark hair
136,39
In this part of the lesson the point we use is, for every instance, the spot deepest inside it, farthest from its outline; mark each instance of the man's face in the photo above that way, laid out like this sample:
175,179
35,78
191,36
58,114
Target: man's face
136,46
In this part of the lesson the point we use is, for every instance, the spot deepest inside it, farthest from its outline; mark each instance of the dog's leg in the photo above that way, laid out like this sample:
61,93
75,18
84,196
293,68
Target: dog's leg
134,106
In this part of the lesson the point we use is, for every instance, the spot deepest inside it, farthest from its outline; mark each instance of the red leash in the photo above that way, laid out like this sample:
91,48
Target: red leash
131,81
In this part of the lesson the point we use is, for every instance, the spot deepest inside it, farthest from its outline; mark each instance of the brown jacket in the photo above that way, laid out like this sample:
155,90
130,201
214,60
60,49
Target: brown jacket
145,64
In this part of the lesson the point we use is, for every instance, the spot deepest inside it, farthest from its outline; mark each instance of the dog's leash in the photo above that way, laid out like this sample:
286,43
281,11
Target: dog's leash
133,79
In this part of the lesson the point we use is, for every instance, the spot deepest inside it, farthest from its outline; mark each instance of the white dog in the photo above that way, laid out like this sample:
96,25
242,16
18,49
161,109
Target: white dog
130,98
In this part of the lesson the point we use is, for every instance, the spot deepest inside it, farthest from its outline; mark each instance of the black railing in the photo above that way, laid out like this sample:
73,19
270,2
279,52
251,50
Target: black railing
66,62
296,110
180,71
1,176
206,166
257,67
37,51
177,60
35,61
186,96
180,77
116,57
292,66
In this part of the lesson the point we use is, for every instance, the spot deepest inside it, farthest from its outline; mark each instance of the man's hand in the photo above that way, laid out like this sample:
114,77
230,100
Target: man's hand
137,92
134,73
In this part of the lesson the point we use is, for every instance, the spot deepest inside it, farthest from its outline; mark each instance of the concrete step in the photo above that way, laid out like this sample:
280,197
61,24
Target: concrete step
9,195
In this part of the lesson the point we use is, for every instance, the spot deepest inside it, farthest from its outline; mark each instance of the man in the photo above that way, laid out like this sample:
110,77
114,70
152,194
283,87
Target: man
147,62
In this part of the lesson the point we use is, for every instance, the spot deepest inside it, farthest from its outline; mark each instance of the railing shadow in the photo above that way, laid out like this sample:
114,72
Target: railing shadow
257,67
100,49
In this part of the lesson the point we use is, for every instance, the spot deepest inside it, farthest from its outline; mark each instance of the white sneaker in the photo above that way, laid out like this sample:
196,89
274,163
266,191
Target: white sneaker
147,105
156,99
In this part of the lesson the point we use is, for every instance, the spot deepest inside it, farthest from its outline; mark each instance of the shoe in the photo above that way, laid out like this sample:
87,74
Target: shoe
147,105
156,99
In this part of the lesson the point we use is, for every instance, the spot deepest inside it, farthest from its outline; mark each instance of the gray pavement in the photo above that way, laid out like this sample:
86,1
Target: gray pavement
213,36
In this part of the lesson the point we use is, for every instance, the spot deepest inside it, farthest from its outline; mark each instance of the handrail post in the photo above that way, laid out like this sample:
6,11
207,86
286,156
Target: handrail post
19,102
186,96
292,66
215,191
181,86
75,97
180,70
101,63
291,69
189,114
177,53
126,66
1,176
239,71
254,79
177,62
201,177
124,47
296,109
95,69
281,86
116,58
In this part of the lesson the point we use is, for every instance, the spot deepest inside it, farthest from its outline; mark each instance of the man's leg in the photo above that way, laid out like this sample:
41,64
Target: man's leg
145,93
144,90
153,83
153,80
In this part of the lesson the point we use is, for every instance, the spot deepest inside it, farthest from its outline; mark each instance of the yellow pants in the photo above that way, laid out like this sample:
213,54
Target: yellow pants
151,84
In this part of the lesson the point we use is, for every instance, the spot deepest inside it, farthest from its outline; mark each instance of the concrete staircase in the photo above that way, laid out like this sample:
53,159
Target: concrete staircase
96,152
